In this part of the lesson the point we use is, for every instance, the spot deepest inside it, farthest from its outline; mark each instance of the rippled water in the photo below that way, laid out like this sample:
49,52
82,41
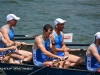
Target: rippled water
83,16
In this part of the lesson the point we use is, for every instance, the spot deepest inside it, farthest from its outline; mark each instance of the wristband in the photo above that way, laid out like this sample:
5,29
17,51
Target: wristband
53,43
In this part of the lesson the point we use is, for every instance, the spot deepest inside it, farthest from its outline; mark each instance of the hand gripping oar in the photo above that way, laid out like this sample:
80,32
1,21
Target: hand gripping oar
56,62
20,47
30,35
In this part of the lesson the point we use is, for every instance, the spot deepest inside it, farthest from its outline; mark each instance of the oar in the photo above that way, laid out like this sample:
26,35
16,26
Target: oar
34,72
78,49
67,37
24,37
30,35
77,44
20,47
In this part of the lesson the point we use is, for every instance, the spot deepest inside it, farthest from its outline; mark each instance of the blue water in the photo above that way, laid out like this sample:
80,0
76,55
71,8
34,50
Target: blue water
83,16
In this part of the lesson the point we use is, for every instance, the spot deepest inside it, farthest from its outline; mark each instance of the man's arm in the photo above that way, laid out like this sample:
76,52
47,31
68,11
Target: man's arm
64,46
52,46
94,53
8,48
38,41
4,31
6,43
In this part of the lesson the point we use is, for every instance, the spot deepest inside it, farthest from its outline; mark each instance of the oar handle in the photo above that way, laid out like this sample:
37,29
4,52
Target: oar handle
30,35
20,47
78,49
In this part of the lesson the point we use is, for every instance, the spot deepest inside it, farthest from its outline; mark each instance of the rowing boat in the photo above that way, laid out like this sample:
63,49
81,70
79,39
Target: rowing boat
29,68
25,69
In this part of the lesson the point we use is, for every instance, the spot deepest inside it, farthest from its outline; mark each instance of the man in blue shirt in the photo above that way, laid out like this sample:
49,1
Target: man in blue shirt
8,33
61,49
42,49
7,54
93,54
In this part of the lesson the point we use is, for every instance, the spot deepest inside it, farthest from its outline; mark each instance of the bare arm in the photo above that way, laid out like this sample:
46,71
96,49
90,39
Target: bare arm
4,31
52,47
6,43
38,41
6,37
64,46
94,53
8,48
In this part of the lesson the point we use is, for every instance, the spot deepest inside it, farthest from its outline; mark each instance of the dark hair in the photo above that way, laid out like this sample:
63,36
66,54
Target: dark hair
47,26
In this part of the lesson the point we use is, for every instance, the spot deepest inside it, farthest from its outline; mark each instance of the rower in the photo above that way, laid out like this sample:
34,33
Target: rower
92,59
61,49
7,51
8,33
42,49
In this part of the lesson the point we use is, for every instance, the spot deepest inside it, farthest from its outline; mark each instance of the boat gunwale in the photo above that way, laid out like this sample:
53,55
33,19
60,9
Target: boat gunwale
48,67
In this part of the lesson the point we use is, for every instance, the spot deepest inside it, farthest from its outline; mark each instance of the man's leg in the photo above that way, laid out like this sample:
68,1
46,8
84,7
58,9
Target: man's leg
74,60
66,64
27,55
16,56
60,64
8,59
57,64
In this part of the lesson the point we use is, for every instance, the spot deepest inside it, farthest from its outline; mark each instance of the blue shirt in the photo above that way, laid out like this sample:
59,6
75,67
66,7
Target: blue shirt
58,41
38,54
91,62
10,32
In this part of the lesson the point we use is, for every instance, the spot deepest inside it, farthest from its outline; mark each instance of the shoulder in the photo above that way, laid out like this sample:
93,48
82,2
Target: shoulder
37,39
92,48
3,29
